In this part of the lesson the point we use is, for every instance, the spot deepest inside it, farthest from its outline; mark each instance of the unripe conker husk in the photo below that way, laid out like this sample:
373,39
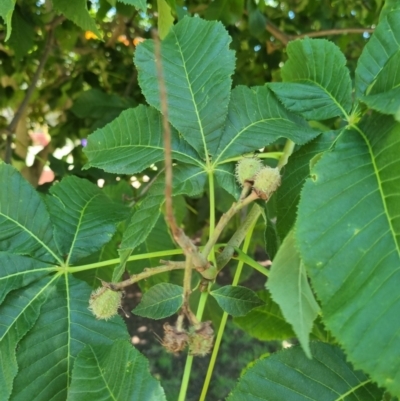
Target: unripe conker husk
266,181
104,303
201,339
247,168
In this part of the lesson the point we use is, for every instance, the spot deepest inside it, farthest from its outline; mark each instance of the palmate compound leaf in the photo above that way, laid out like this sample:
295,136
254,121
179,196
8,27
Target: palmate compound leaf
291,291
116,372
47,353
25,226
384,95
134,141
161,300
317,83
256,119
293,178
188,180
290,376
197,67
236,300
17,316
384,42
348,234
84,217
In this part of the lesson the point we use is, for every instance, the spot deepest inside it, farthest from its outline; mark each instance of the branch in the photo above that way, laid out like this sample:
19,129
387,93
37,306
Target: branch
28,94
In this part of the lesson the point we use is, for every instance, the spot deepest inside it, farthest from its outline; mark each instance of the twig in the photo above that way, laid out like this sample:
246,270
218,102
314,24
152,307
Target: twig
32,86
146,273
180,237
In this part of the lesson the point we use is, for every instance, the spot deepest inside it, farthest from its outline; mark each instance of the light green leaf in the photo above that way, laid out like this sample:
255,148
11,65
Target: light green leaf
388,7
289,375
6,12
46,355
18,271
317,83
134,141
265,322
165,18
161,300
198,87
237,301
348,234
289,288
293,178
189,180
256,119
77,12
384,42
25,226
17,316
138,4
84,217
117,372
227,11
384,95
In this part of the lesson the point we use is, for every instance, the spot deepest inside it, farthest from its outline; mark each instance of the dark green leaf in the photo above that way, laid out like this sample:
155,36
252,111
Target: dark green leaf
134,141
138,4
227,11
348,233
117,372
289,288
237,301
161,300
25,226
256,119
265,322
293,178
197,65
84,217
17,316
317,83
382,45
77,11
46,355
388,7
22,37
289,375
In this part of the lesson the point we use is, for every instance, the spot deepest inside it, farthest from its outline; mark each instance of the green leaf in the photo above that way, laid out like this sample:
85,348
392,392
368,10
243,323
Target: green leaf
227,11
197,65
289,288
116,372
317,83
265,322
189,180
226,179
25,226
256,119
84,217
18,271
160,301
388,7
165,18
46,355
22,37
293,178
17,316
384,42
134,141
348,234
289,375
6,12
237,301
138,4
384,95
77,12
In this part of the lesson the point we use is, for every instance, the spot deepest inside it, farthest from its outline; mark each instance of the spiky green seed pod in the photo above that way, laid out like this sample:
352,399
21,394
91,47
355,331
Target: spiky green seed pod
174,340
266,182
247,168
104,303
201,339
